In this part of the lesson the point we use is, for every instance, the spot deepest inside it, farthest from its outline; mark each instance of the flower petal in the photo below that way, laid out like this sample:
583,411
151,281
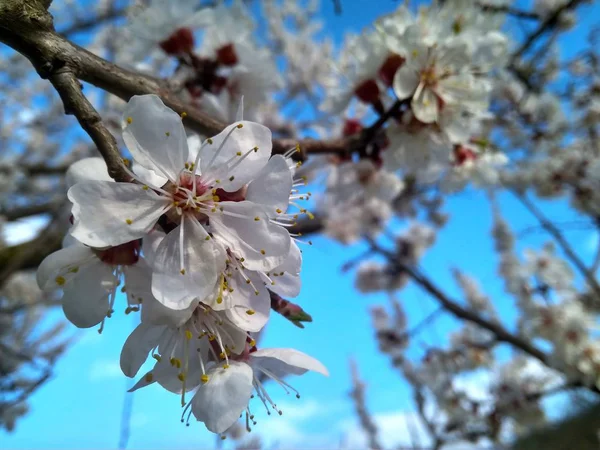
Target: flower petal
109,214
219,402
87,169
287,285
405,81
245,298
137,346
425,106
272,186
284,361
263,244
185,265
233,147
155,136
63,263
85,299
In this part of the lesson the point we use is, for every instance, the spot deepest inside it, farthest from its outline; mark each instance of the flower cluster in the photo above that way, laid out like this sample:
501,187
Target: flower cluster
198,241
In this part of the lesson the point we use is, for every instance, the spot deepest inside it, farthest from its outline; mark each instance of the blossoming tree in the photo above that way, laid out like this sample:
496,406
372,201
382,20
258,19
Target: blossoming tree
183,186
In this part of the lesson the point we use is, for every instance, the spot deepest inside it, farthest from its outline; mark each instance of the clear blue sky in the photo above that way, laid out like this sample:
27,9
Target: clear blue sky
81,406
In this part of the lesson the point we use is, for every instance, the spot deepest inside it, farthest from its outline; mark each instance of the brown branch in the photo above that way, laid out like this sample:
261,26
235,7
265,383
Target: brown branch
69,89
501,334
557,235
28,29
551,21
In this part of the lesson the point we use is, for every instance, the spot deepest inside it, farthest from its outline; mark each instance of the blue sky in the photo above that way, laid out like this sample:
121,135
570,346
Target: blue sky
81,406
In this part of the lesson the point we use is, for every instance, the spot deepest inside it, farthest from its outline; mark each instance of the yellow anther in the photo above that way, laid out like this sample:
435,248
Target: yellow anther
181,377
242,259
183,115
239,153
217,181
256,292
299,163
240,125
216,198
157,357
255,149
128,221
186,165
167,134
144,187
250,312
262,252
188,334
182,271
211,337
231,178
310,215
222,355
223,437
219,300
74,269
207,238
209,140
248,281
126,162
415,53
278,210
149,377
129,120
252,343
204,378
256,219
225,366
60,280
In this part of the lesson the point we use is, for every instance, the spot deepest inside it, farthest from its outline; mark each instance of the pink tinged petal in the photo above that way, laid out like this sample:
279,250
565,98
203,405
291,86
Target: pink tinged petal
425,106
137,346
284,361
235,147
85,300
272,186
87,169
405,81
263,244
219,402
59,268
155,136
185,267
109,214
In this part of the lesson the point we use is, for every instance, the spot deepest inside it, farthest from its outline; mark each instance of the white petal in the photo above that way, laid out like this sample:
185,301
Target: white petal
62,263
85,299
246,237
137,346
87,169
176,285
220,402
405,81
425,106
154,312
239,115
150,177
272,186
287,285
284,361
155,137
143,382
236,140
103,211
151,242
293,262
244,299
